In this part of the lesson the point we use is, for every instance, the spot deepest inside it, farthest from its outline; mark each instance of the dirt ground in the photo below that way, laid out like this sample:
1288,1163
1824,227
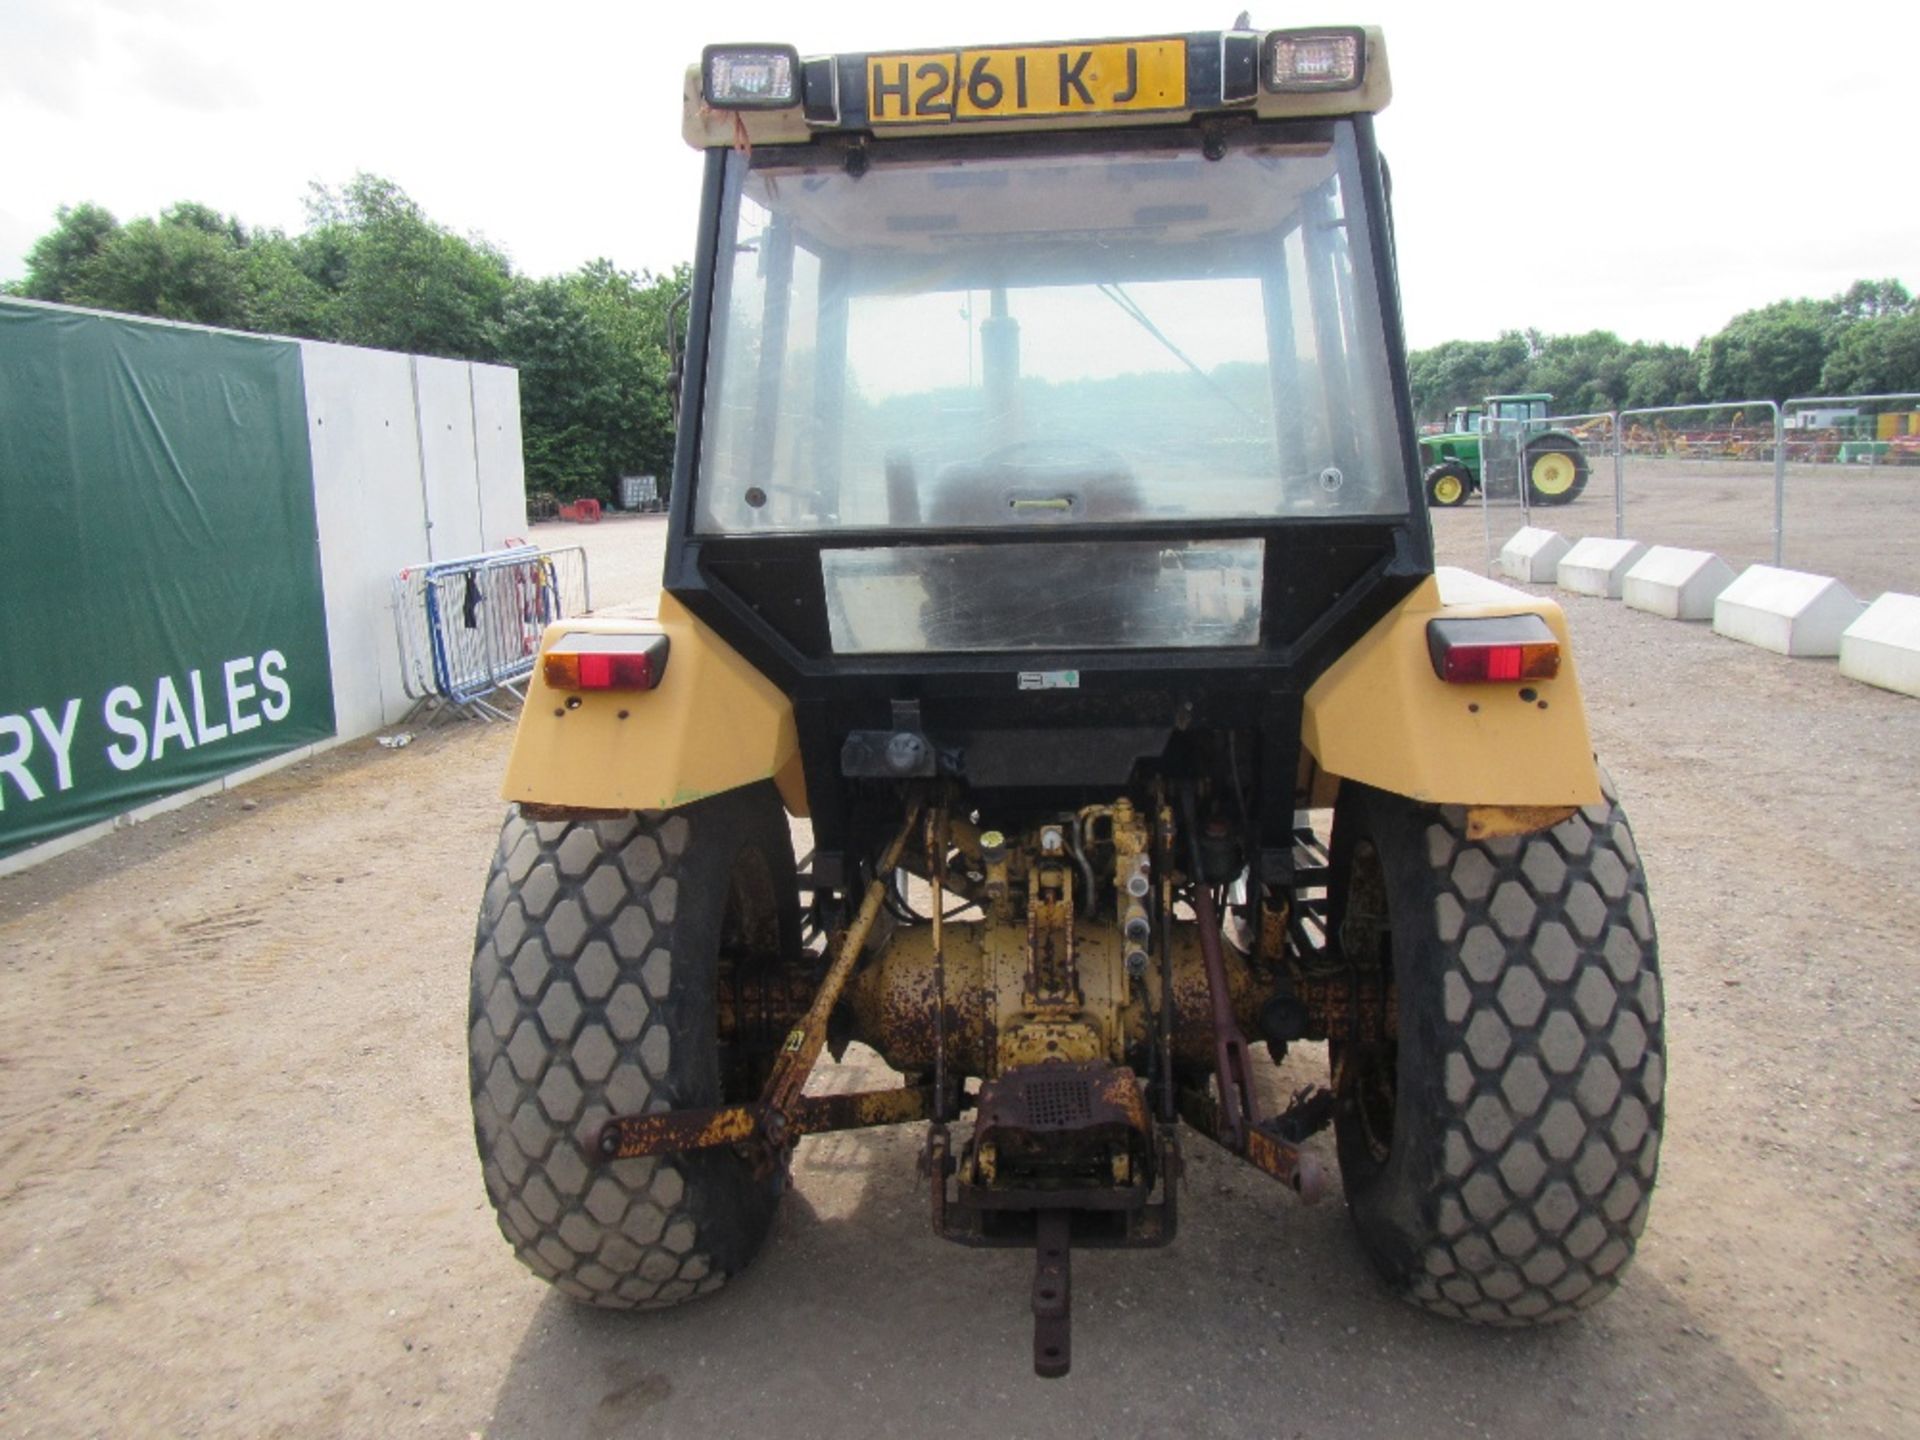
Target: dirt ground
238,1191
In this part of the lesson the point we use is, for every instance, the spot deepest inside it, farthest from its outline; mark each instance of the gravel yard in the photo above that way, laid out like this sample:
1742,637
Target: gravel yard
1858,523
239,1195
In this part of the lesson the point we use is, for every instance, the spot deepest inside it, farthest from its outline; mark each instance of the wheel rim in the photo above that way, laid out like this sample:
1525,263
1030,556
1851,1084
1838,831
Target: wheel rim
1553,473
1447,489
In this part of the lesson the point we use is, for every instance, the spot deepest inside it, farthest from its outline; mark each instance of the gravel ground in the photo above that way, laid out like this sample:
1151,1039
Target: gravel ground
238,1193
1858,523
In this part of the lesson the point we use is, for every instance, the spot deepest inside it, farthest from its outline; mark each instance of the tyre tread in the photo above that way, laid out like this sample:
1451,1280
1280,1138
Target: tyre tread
576,928
1543,1051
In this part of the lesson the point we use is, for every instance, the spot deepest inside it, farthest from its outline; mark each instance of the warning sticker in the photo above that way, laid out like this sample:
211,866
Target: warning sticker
1049,679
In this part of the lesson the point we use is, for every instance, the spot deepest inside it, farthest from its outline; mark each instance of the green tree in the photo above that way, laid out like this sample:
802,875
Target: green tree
1871,299
1462,372
172,268
1880,356
283,297
57,257
630,311
1770,353
403,282
1661,375
1584,373
569,391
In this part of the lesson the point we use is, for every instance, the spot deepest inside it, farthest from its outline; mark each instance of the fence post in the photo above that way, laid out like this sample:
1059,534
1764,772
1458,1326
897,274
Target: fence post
1486,517
1619,484
1779,484
1520,471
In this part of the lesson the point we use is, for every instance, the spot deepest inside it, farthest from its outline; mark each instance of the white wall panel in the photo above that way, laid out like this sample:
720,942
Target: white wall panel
372,519
447,464
498,457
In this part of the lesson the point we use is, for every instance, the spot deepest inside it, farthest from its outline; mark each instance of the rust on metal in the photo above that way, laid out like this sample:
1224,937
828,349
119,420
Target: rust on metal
861,1108
532,810
629,1137
1239,1109
1274,1145
1076,1136
1272,930
796,1059
936,877
773,1117
1362,1011
1489,822
1052,1294
1053,978
1287,1163
626,1137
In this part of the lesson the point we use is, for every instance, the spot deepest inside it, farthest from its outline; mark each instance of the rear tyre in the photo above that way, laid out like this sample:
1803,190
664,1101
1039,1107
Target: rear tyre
1556,470
1499,1155
596,966
1449,484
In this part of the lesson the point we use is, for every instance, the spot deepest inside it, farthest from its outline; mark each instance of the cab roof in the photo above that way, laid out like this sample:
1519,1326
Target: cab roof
1068,85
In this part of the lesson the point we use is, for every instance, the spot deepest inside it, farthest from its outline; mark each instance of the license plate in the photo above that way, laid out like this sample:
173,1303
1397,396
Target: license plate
1019,82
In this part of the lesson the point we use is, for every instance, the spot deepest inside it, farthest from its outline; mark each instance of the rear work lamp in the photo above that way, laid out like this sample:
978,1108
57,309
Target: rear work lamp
750,77
1488,651
1309,60
605,662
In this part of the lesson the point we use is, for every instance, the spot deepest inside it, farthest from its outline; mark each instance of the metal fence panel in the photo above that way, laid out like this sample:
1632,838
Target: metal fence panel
1706,477
1852,493
469,629
1824,483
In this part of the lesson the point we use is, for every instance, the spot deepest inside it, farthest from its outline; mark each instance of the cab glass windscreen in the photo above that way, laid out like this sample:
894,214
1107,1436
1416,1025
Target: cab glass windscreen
1048,337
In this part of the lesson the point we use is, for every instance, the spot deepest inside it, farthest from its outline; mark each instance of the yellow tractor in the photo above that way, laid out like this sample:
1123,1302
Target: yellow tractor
1047,533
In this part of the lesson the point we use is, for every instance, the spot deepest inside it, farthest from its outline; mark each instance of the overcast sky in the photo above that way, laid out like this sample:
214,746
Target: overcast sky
1640,168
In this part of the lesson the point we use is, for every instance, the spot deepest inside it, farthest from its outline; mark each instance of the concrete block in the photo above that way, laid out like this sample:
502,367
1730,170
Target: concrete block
1533,555
1598,565
1882,647
1786,611
1679,584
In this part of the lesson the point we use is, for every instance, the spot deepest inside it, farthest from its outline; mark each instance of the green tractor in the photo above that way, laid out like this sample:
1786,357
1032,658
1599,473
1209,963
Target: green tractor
1488,438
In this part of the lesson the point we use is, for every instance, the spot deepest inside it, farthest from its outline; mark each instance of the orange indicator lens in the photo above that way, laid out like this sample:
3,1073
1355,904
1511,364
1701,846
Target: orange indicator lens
616,662
1493,649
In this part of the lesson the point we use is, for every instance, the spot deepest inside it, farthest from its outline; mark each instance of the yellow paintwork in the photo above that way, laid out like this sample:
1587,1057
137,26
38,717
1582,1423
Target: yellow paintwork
1381,716
714,723
704,127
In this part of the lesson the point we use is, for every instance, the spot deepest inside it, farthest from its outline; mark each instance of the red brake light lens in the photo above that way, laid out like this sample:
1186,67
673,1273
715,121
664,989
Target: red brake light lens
1494,650
605,662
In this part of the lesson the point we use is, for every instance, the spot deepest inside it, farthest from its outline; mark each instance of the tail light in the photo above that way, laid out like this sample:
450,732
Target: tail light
605,662
1492,650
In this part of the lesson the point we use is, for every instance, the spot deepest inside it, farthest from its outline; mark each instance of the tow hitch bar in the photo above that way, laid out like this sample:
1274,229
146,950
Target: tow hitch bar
1052,1294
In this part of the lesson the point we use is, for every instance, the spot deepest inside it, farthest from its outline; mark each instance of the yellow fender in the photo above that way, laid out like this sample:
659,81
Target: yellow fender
1382,717
713,723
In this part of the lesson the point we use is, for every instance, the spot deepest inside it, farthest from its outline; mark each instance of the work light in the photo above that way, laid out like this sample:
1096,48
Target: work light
750,77
1306,60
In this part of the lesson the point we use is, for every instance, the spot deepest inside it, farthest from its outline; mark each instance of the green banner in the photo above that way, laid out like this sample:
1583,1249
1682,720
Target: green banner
162,623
